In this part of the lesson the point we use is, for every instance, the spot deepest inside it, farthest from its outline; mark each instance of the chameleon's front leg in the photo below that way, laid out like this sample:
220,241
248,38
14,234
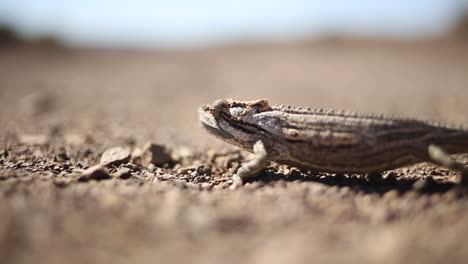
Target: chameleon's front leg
258,163
441,157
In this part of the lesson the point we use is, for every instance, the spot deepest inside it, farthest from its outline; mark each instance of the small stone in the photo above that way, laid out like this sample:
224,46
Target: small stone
186,170
155,154
123,173
97,172
165,177
203,170
136,155
61,157
115,156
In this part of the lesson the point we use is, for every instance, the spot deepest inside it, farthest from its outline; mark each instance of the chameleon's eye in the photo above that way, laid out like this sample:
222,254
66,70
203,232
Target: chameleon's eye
292,133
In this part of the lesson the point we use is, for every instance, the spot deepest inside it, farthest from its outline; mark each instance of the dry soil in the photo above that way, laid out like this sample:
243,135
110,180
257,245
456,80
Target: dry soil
61,109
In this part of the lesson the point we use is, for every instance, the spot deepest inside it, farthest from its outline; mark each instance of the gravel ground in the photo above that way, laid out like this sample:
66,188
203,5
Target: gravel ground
102,158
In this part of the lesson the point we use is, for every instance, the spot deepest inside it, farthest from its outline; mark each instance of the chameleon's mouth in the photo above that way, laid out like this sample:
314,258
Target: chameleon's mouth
209,122
206,118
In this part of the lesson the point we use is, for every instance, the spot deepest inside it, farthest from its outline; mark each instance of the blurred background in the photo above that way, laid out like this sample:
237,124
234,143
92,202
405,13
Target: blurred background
146,66
154,24
79,77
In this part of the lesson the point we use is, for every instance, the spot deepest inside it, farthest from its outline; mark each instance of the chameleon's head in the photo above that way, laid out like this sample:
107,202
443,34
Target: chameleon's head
233,121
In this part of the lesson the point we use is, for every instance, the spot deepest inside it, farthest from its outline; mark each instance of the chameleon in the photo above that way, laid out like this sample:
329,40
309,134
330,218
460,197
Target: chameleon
328,140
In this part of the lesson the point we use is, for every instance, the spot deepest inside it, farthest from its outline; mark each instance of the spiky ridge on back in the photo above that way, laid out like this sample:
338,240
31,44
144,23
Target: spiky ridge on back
342,113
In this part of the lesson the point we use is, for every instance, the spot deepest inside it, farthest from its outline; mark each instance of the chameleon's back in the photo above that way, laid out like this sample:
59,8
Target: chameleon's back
349,142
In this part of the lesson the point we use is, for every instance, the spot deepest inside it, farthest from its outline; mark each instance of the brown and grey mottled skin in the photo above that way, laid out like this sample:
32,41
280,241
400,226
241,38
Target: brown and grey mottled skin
328,140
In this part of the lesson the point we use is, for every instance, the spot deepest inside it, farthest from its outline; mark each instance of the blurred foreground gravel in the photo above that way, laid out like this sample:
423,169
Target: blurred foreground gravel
102,159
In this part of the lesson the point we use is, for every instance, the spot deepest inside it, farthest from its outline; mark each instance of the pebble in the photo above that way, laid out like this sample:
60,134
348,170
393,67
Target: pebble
97,172
186,170
155,154
203,170
165,177
115,156
123,173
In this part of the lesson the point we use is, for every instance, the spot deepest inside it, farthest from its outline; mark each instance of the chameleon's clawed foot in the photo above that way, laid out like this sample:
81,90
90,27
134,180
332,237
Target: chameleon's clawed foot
252,167
439,156
236,182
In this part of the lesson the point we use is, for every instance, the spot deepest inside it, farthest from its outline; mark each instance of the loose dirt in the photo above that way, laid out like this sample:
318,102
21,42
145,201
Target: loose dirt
160,191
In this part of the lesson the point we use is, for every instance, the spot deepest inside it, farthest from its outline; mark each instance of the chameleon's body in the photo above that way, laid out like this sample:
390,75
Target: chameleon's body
327,140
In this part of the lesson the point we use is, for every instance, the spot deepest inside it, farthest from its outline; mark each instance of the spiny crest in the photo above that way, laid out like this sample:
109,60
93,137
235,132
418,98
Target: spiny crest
340,112
309,110
448,126
343,113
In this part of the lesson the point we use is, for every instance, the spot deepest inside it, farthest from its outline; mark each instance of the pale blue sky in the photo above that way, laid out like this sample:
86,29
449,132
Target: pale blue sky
148,23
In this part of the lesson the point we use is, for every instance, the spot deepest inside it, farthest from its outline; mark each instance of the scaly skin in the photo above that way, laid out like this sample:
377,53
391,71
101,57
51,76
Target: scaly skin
328,140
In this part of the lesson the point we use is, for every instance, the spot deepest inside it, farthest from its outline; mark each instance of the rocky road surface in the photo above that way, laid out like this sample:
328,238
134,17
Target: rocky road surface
102,158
